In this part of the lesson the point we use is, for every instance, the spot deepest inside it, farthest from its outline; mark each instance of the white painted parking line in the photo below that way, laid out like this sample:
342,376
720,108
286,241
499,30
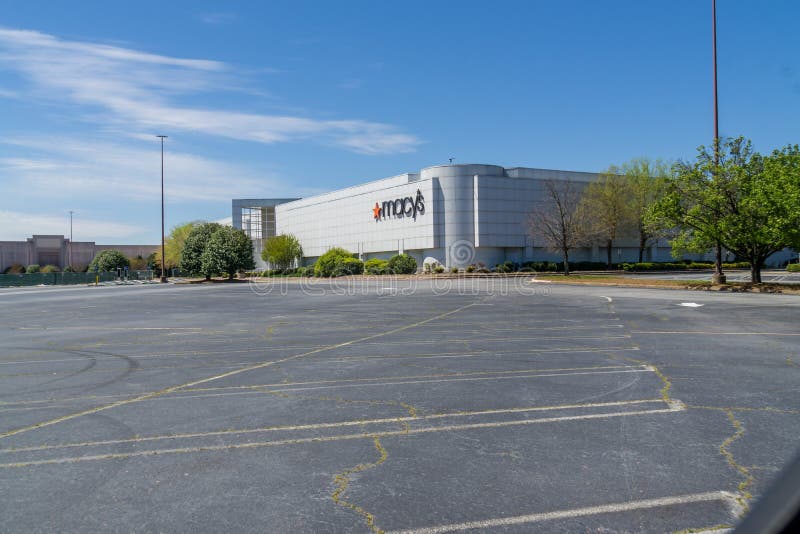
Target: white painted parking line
724,496
690,304
442,380
342,424
674,406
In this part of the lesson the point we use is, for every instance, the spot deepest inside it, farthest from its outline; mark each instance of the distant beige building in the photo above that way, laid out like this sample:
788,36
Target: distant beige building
55,250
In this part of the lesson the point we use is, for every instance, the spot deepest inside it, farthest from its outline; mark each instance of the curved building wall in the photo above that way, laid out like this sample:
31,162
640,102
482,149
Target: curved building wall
472,214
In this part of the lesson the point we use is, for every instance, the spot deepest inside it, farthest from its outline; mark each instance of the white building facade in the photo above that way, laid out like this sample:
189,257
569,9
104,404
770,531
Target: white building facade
455,214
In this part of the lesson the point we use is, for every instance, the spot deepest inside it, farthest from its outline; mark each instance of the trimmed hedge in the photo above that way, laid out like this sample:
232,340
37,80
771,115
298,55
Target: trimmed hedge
542,266
667,266
327,263
506,267
376,266
348,266
793,267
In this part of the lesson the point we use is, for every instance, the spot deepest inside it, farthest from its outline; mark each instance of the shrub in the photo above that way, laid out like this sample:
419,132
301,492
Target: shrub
682,265
543,266
15,268
109,260
33,268
483,270
470,268
348,266
793,267
402,264
50,269
584,266
376,266
438,269
327,263
454,270
506,267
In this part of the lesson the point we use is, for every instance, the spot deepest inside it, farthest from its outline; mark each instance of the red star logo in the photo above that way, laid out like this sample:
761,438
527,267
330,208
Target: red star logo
376,211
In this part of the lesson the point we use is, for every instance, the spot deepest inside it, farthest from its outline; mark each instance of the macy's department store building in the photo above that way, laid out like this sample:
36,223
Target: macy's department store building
456,214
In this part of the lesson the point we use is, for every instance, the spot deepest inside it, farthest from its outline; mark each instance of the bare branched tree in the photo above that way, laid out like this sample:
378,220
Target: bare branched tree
558,220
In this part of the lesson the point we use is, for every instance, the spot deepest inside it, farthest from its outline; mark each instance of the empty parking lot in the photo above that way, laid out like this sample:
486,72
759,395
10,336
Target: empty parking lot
396,406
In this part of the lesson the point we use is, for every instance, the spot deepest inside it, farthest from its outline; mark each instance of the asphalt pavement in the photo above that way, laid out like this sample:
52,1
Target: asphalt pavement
483,405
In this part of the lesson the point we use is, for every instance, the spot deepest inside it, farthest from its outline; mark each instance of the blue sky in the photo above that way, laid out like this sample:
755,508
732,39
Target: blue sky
277,99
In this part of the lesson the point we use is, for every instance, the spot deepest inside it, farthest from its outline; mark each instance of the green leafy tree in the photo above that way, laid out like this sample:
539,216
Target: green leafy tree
193,247
174,243
138,263
282,251
606,205
646,182
748,203
228,251
109,260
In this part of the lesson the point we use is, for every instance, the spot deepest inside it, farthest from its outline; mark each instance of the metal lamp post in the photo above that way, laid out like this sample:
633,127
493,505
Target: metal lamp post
163,256
70,239
718,277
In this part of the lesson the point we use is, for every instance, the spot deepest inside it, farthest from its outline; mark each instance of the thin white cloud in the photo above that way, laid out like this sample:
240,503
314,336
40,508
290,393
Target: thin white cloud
64,167
137,90
17,226
225,221
217,18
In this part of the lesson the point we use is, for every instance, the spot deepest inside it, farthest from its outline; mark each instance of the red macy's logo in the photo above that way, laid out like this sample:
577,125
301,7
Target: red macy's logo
401,207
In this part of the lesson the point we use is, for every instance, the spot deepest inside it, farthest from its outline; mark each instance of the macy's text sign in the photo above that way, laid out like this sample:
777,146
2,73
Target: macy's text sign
401,207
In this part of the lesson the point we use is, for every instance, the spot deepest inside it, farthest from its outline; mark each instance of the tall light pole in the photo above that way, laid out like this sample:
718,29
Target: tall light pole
718,276
70,239
163,256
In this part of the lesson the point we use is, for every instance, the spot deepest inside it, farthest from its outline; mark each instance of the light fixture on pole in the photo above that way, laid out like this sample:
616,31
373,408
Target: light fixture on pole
163,257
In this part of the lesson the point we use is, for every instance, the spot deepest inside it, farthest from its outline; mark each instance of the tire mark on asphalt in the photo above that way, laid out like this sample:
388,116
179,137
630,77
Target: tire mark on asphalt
261,365
91,363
